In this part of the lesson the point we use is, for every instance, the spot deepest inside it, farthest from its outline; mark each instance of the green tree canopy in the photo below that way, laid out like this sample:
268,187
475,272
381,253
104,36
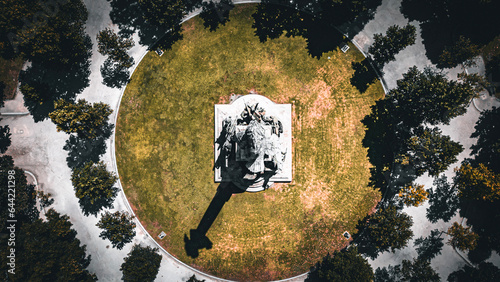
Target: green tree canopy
93,185
141,264
443,23
463,52
462,238
49,251
428,97
384,48
86,120
430,151
409,271
387,229
487,131
413,194
4,138
23,206
115,69
485,272
118,228
345,265
430,246
157,22
52,34
115,46
477,183
418,270
443,201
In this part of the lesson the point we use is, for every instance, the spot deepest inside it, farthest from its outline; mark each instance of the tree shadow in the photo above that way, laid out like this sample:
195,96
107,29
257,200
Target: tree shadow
215,14
363,241
317,22
364,75
130,17
114,74
92,206
443,22
198,237
443,201
81,150
480,215
381,141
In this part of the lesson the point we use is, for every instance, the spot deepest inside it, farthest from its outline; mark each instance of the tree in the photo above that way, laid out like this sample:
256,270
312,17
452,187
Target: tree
462,52
141,264
429,151
22,205
86,120
444,22
462,238
52,36
42,85
428,97
115,46
114,74
4,138
477,81
384,48
115,69
93,186
346,265
477,183
429,247
215,14
443,201
43,42
413,194
118,228
487,148
49,251
386,229
416,271
485,272
388,274
2,93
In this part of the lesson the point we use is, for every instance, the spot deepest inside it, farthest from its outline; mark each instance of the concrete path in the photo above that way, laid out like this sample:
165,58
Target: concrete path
37,147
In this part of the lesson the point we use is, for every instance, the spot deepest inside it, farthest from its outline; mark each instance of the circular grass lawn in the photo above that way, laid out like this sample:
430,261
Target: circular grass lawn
165,137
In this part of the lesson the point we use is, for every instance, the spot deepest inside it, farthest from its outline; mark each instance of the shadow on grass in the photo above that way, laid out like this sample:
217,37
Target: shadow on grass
198,239
364,75
272,20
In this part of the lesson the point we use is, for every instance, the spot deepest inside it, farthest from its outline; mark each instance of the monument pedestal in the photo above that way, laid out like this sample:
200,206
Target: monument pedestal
253,143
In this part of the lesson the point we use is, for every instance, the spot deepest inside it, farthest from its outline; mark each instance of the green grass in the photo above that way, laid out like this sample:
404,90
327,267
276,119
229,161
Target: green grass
164,149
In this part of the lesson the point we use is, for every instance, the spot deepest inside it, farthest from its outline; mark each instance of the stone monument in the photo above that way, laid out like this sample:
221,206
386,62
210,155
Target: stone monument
253,142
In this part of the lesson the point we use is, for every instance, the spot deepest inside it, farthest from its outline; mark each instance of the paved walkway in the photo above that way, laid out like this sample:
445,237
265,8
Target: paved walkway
37,147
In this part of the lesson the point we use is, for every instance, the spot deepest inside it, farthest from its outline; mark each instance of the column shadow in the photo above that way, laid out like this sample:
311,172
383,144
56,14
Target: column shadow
198,239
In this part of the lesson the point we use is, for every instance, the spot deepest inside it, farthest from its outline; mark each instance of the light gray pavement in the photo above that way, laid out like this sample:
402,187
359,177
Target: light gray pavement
37,147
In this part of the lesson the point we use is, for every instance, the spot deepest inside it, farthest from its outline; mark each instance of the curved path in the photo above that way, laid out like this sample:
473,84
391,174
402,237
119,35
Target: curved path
46,159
